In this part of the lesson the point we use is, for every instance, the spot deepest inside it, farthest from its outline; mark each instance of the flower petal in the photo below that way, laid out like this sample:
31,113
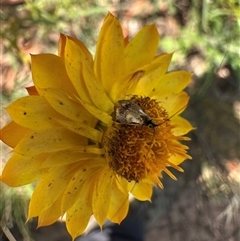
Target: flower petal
48,140
183,126
172,83
52,214
177,159
79,214
179,154
79,181
151,75
109,52
83,78
101,195
21,170
175,103
122,184
67,157
33,112
48,71
100,115
68,107
144,46
82,129
96,91
48,190
142,191
6,133
74,58
119,204
62,43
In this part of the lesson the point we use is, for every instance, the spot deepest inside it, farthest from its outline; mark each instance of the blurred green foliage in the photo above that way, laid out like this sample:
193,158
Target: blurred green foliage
209,27
13,208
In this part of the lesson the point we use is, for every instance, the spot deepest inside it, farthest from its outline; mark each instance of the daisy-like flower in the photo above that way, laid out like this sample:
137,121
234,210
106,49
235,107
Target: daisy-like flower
92,131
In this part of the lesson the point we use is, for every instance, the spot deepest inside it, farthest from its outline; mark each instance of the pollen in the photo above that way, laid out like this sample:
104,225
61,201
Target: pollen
142,151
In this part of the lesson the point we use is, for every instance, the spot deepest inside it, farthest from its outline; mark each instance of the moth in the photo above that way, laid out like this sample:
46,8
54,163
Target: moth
129,113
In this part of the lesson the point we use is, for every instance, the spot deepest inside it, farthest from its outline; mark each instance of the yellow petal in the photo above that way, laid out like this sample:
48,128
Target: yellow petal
81,45
177,159
74,59
119,204
102,194
67,157
100,115
175,104
79,181
142,191
82,77
96,91
82,129
62,43
172,83
48,71
6,133
144,46
183,126
48,140
49,189
151,75
21,170
79,214
52,214
122,184
33,112
109,52
179,153
66,106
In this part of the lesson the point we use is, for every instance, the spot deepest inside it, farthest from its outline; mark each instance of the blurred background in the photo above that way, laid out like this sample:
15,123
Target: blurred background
205,203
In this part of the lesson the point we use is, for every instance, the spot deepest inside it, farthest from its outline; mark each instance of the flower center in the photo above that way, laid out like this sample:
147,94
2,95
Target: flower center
139,142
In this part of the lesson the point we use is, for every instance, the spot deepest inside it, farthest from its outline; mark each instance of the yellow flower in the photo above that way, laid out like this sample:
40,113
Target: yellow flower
92,131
